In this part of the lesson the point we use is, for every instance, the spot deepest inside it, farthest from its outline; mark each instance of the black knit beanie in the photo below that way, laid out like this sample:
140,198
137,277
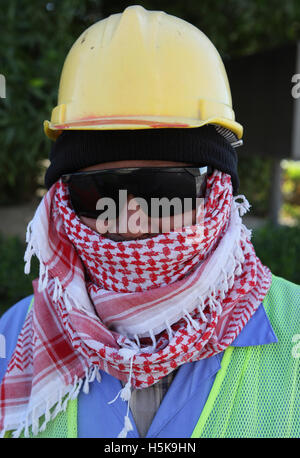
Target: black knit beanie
76,149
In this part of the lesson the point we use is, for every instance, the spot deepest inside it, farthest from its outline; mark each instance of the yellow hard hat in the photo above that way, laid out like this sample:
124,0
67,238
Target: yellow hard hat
143,69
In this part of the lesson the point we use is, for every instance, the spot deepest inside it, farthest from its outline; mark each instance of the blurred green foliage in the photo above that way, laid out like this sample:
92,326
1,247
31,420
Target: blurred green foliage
34,43
291,182
255,173
291,191
14,284
36,36
278,247
236,27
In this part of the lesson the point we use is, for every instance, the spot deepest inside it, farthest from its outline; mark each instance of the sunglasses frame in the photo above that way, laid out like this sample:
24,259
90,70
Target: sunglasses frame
194,171
66,178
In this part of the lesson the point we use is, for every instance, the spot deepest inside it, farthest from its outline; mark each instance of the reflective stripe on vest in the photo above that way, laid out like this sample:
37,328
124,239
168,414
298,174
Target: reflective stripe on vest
256,393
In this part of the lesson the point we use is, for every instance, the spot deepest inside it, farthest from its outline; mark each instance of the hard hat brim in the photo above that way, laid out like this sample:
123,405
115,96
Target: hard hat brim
137,122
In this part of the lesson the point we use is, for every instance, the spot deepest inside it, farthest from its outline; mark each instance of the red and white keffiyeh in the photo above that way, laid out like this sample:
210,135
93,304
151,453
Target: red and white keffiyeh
135,309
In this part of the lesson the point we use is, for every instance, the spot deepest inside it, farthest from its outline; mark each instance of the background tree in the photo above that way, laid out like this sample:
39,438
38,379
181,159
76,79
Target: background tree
36,36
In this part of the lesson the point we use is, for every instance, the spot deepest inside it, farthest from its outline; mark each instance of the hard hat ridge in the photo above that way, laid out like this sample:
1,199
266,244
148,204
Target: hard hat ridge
142,69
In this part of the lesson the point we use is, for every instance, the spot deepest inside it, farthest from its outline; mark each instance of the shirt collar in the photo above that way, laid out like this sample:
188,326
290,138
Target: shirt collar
258,331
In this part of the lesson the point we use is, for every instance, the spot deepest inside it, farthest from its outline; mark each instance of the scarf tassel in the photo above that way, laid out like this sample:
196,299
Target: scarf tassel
57,292
232,267
201,307
190,321
29,249
242,207
127,427
169,330
90,375
32,418
125,393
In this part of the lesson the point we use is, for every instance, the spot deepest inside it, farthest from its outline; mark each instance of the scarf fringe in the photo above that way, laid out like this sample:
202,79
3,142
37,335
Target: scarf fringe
235,269
32,417
224,273
229,272
127,427
231,269
125,393
242,207
43,281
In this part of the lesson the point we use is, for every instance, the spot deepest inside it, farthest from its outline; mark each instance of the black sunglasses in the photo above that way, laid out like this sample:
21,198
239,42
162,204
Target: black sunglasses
86,188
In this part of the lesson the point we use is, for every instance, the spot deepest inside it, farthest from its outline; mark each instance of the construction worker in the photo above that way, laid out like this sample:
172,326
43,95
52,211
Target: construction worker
134,330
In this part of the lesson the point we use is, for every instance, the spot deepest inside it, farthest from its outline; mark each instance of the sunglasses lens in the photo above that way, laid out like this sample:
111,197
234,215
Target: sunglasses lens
164,193
169,194
87,190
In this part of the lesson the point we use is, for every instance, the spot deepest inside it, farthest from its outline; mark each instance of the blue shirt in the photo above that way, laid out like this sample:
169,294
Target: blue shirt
180,408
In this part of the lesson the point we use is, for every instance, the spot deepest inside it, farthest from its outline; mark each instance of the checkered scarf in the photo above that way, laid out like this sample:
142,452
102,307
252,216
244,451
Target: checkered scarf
135,309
